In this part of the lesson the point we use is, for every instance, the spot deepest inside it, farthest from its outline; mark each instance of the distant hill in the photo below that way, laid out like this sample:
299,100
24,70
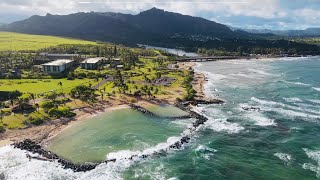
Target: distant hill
310,32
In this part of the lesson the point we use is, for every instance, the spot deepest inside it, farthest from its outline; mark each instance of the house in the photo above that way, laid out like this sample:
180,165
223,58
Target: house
92,63
59,56
57,66
115,62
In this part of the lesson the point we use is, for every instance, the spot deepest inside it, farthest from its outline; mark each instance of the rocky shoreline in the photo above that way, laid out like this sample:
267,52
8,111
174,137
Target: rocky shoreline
43,154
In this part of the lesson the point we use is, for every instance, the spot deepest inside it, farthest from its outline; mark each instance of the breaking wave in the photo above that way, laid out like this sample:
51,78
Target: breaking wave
315,156
287,158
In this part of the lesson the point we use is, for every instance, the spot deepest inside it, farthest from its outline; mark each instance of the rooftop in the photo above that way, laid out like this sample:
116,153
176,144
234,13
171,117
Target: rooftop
58,62
93,60
57,55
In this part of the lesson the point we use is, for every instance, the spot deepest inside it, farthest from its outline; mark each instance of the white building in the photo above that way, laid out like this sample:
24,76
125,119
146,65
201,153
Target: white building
91,63
57,66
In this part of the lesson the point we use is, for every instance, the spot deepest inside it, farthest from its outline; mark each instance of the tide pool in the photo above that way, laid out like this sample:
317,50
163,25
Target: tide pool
123,129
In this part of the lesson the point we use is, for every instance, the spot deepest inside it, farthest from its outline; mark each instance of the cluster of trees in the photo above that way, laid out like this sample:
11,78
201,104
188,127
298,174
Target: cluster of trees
149,91
82,92
129,59
118,81
191,93
14,62
243,45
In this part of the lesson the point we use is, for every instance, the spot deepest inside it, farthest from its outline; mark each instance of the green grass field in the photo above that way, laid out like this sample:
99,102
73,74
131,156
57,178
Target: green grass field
42,85
16,41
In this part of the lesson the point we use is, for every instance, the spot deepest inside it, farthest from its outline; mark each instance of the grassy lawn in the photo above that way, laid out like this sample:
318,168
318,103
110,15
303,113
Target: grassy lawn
14,121
41,85
17,41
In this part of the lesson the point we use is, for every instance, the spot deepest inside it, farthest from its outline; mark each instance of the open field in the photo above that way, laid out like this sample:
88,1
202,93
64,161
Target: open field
16,41
41,85
315,40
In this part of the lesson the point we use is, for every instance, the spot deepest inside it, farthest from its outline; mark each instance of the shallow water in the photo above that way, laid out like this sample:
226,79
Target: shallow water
178,52
281,141
166,110
123,129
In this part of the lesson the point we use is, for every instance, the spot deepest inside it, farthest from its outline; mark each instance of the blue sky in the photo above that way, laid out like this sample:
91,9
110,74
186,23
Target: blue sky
257,14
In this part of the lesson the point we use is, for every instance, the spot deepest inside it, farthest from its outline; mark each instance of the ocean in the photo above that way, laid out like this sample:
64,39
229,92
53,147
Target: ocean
269,128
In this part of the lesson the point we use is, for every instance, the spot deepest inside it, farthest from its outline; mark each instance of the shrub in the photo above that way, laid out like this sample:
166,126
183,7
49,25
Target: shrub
36,120
47,105
61,112
6,111
133,100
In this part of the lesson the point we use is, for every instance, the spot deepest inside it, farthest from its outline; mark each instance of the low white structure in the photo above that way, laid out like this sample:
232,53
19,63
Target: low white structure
91,63
57,66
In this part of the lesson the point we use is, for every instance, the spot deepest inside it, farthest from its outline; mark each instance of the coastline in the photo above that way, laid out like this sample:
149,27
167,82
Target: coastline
44,133
199,80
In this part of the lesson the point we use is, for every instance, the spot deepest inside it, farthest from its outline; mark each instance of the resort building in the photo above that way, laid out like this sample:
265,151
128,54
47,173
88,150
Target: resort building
59,56
57,66
92,63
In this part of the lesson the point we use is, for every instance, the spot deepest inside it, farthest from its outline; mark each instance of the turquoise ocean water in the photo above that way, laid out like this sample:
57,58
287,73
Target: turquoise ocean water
279,139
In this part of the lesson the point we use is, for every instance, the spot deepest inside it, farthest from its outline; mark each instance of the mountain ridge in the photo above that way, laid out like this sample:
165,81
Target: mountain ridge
158,27
118,27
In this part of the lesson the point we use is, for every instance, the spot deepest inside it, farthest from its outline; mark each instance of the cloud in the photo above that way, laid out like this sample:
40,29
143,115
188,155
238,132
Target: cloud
274,14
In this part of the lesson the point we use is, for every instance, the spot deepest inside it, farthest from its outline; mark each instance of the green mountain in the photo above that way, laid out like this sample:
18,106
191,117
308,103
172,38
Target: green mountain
156,27
148,26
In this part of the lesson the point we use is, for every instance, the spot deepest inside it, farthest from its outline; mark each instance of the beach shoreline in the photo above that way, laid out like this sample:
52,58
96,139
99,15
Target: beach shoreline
43,134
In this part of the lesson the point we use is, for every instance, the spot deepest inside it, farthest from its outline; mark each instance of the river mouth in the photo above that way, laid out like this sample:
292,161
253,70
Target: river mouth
93,139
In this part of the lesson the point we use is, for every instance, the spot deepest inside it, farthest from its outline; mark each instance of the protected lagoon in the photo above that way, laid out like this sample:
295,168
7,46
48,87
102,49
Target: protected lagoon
122,129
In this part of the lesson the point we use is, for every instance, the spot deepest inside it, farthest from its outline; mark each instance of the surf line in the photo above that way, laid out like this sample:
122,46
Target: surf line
46,155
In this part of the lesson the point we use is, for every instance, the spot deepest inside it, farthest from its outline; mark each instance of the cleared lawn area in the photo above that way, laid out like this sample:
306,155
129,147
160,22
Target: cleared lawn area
18,41
14,121
42,85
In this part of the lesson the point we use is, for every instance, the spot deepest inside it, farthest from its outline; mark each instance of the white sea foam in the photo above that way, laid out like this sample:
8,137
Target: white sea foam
316,88
293,99
315,101
217,121
260,120
292,111
261,72
297,83
205,152
147,172
315,156
287,158
15,165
